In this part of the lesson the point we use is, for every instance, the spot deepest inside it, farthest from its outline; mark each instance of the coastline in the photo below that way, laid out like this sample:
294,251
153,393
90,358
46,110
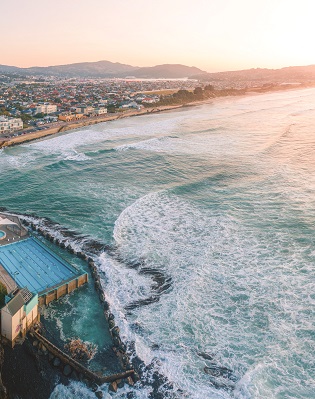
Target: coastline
28,137
66,126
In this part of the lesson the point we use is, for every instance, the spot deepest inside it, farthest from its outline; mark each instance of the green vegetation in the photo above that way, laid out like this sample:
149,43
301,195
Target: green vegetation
3,293
4,112
25,118
198,94
39,115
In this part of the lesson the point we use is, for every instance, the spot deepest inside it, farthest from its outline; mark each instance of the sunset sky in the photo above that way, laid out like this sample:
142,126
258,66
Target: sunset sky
214,35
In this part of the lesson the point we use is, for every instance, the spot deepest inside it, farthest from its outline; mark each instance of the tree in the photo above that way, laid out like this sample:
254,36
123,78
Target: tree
3,293
198,91
39,115
209,88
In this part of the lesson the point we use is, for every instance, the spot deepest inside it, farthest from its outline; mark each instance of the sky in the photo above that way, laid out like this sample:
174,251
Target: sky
214,35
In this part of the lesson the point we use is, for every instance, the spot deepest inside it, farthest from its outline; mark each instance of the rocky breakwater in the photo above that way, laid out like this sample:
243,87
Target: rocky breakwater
129,376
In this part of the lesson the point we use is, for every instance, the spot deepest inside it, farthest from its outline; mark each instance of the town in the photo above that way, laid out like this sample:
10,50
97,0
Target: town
30,104
34,103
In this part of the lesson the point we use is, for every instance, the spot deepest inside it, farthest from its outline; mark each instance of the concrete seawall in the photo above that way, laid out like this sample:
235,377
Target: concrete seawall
119,347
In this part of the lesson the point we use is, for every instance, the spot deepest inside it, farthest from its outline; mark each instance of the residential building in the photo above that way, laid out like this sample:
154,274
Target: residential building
85,109
45,109
9,125
70,117
100,111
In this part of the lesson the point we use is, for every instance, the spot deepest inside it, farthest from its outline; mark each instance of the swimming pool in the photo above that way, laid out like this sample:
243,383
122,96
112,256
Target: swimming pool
2,235
33,265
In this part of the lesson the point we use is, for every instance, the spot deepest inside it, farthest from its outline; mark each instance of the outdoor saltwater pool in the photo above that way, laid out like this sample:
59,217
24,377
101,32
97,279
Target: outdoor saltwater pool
2,235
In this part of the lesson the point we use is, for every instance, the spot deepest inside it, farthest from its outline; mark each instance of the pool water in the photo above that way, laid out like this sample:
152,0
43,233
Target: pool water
2,234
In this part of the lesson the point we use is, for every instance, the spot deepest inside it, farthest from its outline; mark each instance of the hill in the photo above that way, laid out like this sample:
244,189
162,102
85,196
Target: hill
107,69
287,74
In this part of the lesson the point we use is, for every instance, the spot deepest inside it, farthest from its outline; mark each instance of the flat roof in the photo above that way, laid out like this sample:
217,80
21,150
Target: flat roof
33,265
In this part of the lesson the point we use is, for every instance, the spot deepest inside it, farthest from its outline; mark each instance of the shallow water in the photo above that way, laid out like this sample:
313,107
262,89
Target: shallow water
220,198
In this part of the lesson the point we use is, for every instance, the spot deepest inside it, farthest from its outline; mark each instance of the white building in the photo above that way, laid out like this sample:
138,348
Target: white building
9,125
100,111
45,109
85,109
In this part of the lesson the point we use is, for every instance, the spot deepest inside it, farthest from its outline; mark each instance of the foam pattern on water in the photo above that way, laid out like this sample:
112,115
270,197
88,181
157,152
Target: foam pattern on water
219,198
230,296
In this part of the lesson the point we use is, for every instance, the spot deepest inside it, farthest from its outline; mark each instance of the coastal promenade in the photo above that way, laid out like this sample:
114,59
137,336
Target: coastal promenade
65,126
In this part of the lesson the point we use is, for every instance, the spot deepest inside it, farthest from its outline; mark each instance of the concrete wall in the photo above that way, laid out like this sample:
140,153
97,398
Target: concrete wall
62,290
11,325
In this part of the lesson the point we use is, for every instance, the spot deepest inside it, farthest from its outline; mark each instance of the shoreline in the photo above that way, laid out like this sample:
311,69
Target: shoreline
29,137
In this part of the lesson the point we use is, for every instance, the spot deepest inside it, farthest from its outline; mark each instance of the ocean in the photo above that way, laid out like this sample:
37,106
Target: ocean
219,200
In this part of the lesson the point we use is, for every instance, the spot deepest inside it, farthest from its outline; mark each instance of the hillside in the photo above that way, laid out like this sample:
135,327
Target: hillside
287,74
107,69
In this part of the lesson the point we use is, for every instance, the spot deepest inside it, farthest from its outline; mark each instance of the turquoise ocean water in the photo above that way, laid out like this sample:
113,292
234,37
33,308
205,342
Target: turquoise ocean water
220,198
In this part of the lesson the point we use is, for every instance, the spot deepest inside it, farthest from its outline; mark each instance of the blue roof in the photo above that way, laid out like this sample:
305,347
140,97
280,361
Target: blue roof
33,265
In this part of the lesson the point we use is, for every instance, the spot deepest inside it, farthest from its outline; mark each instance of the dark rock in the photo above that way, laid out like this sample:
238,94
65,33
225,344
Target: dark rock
113,386
74,375
99,394
218,371
56,362
207,356
129,381
67,370
116,341
111,323
120,383
115,331
135,377
123,348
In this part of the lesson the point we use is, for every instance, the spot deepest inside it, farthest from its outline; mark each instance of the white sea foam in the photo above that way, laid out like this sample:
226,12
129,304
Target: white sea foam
217,268
235,239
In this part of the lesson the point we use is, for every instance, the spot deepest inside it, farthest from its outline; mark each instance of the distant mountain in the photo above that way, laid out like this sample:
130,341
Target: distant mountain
84,69
9,69
288,74
107,69
171,71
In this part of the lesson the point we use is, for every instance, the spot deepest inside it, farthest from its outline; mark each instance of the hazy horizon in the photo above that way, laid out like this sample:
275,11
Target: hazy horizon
211,35
144,66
